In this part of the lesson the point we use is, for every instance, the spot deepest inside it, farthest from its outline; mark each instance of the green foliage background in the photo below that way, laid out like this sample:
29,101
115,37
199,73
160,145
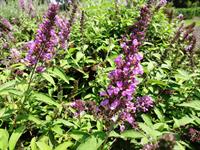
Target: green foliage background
45,121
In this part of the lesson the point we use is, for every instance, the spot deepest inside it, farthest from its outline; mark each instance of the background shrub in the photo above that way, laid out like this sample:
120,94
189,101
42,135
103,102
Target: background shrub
188,13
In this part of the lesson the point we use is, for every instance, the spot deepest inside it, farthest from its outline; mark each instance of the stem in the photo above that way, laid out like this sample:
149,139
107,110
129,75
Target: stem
29,84
31,77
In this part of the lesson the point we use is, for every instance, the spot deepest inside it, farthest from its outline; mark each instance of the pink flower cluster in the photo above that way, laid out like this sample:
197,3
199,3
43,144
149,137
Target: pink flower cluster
119,105
42,49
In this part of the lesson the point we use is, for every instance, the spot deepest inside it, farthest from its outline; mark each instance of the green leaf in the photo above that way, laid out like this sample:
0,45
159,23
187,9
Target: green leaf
144,140
192,104
77,135
89,144
57,129
132,134
3,139
15,137
179,146
93,142
64,145
46,99
183,121
11,91
147,120
99,125
60,73
34,119
150,131
43,145
115,134
156,82
196,119
48,78
79,56
7,85
182,76
33,144
64,122
160,126
2,112
159,114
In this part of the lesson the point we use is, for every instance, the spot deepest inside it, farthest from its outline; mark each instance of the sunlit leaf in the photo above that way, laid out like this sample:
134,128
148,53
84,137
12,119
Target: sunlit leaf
150,131
45,99
60,73
183,121
43,146
192,104
7,85
4,139
48,78
33,144
15,137
64,145
132,134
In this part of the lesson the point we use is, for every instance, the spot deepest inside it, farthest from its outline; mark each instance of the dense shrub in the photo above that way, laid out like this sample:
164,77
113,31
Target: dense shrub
185,3
100,75
189,13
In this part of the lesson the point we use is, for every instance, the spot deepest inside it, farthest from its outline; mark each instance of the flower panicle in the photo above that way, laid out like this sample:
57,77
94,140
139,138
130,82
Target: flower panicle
64,30
31,9
22,4
123,80
194,135
117,105
161,4
41,50
73,12
6,25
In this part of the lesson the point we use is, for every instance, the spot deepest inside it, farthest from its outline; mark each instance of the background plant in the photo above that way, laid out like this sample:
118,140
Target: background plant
80,71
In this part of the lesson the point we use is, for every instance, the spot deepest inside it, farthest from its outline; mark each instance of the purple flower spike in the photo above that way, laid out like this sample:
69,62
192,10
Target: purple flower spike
40,69
115,104
64,30
6,23
22,4
144,103
105,102
119,94
42,48
79,106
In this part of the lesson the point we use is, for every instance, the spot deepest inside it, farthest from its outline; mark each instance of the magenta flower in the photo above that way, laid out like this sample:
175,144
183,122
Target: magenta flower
42,48
31,9
161,4
118,98
119,104
144,103
64,30
22,4
40,69
6,23
79,106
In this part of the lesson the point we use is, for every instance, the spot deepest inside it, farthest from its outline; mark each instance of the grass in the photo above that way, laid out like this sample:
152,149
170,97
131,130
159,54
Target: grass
195,19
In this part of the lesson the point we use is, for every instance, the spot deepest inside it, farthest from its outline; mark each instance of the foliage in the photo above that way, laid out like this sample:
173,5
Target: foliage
189,12
36,109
